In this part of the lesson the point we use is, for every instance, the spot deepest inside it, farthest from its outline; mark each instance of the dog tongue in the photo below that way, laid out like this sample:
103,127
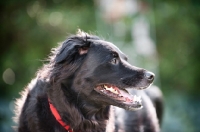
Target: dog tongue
118,94
127,97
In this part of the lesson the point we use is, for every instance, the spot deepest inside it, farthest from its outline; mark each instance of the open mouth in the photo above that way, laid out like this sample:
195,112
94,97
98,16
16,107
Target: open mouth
120,95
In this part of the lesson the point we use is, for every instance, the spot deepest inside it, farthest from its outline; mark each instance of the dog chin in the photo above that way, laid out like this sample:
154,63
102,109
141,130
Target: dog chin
120,97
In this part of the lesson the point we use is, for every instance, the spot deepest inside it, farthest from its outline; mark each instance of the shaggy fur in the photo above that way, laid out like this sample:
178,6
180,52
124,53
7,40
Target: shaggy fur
71,79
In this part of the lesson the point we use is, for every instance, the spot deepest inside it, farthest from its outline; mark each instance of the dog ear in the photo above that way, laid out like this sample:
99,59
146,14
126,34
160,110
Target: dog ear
83,50
71,49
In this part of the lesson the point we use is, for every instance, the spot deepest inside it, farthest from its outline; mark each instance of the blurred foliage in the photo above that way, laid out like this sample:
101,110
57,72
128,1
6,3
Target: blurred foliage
177,26
29,29
178,43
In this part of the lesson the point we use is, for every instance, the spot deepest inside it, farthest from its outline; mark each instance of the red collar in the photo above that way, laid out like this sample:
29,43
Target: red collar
58,118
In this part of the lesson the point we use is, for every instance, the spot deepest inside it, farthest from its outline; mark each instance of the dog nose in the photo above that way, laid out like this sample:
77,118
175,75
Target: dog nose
149,76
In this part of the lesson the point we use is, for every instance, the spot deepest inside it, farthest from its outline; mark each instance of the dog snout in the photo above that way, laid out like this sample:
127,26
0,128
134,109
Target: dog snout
149,76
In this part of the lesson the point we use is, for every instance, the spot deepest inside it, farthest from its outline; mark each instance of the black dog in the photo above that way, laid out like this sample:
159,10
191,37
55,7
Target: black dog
75,91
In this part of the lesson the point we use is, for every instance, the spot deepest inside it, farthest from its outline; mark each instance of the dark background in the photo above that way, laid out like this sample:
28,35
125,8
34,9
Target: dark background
29,29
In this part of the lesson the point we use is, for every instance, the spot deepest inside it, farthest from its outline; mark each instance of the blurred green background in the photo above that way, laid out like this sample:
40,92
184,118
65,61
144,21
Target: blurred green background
29,29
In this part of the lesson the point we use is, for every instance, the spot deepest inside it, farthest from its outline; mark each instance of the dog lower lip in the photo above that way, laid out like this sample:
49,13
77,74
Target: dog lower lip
119,95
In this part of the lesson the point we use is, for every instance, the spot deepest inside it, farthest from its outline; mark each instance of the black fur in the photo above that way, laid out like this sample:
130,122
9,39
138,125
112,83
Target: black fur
75,69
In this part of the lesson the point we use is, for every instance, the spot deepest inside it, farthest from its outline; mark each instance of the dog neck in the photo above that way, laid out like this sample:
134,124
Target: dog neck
78,114
58,118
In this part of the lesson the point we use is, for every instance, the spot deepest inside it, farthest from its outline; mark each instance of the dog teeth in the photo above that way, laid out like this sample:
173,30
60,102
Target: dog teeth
137,99
111,89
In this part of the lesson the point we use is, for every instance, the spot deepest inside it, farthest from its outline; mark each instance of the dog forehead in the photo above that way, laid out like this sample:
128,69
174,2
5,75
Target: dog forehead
110,46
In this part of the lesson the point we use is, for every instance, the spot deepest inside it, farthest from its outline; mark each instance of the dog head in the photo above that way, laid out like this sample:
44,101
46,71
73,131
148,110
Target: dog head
99,73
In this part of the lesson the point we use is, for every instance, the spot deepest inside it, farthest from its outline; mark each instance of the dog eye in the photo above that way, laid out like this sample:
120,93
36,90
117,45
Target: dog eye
115,58
114,61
